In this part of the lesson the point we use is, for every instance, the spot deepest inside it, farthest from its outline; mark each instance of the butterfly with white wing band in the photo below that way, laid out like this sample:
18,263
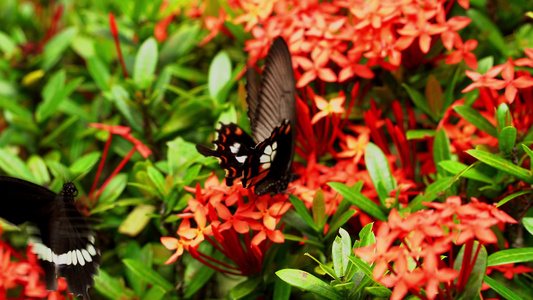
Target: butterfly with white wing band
62,240
264,161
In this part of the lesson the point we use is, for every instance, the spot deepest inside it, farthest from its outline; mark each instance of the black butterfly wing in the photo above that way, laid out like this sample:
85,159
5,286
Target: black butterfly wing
232,148
61,231
274,101
266,167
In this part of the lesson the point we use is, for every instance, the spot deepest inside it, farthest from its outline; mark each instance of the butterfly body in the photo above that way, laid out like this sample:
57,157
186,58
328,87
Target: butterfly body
63,241
264,159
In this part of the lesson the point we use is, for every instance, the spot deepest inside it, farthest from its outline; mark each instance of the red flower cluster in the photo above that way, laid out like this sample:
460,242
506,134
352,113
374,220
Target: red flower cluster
425,236
341,39
219,215
24,275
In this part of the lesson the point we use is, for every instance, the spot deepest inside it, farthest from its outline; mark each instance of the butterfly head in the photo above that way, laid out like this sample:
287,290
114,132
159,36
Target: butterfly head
69,190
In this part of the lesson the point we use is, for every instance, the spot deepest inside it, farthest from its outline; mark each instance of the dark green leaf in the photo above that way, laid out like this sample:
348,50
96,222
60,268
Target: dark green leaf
245,288
148,274
300,208
501,289
493,33
308,282
455,167
319,209
419,100
475,280
357,199
507,139
509,256
474,117
282,290
502,164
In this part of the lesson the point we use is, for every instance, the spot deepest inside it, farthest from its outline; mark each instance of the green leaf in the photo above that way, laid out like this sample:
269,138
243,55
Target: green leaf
528,151
361,265
110,287
378,167
326,268
336,223
180,155
52,101
282,290
419,100
308,282
148,274
448,93
456,167
342,248
319,209
379,291
300,208
507,139
360,201
512,196
136,220
441,151
99,72
433,93
180,43
432,192
6,44
114,189
501,289
492,31
157,178
38,169
53,50
419,134
155,293
528,224
475,280
474,117
503,115
145,63
366,236
219,76
14,166
245,288
509,256
502,164
121,99
85,163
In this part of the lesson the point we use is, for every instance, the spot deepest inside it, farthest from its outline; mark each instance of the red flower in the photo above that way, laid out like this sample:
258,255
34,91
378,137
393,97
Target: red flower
463,52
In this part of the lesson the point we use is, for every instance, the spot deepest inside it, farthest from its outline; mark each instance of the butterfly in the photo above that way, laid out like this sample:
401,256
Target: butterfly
63,241
265,160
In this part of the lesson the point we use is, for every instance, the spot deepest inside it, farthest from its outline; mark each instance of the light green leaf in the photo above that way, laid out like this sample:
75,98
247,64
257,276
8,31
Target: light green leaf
53,50
509,256
378,167
308,282
14,166
507,139
145,63
136,220
359,200
219,76
502,164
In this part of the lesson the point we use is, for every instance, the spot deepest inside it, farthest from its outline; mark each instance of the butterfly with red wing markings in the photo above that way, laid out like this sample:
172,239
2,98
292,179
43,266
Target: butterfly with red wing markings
63,241
264,161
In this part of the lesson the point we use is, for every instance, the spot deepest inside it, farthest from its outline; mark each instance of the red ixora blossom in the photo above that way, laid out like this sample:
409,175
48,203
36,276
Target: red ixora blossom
426,236
208,218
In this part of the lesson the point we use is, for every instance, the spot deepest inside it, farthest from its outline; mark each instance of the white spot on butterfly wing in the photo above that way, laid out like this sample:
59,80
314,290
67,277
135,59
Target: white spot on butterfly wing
275,145
265,166
86,255
74,258
264,158
268,150
91,250
80,258
68,258
235,148
273,155
241,159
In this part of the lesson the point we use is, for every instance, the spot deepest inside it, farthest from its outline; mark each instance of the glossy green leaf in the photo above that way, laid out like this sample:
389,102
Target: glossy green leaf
509,256
145,63
507,139
528,224
474,117
300,208
501,289
38,169
308,282
378,167
282,290
502,164
512,196
245,288
85,163
219,76
455,167
14,166
110,287
419,134
503,115
360,201
148,274
342,248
